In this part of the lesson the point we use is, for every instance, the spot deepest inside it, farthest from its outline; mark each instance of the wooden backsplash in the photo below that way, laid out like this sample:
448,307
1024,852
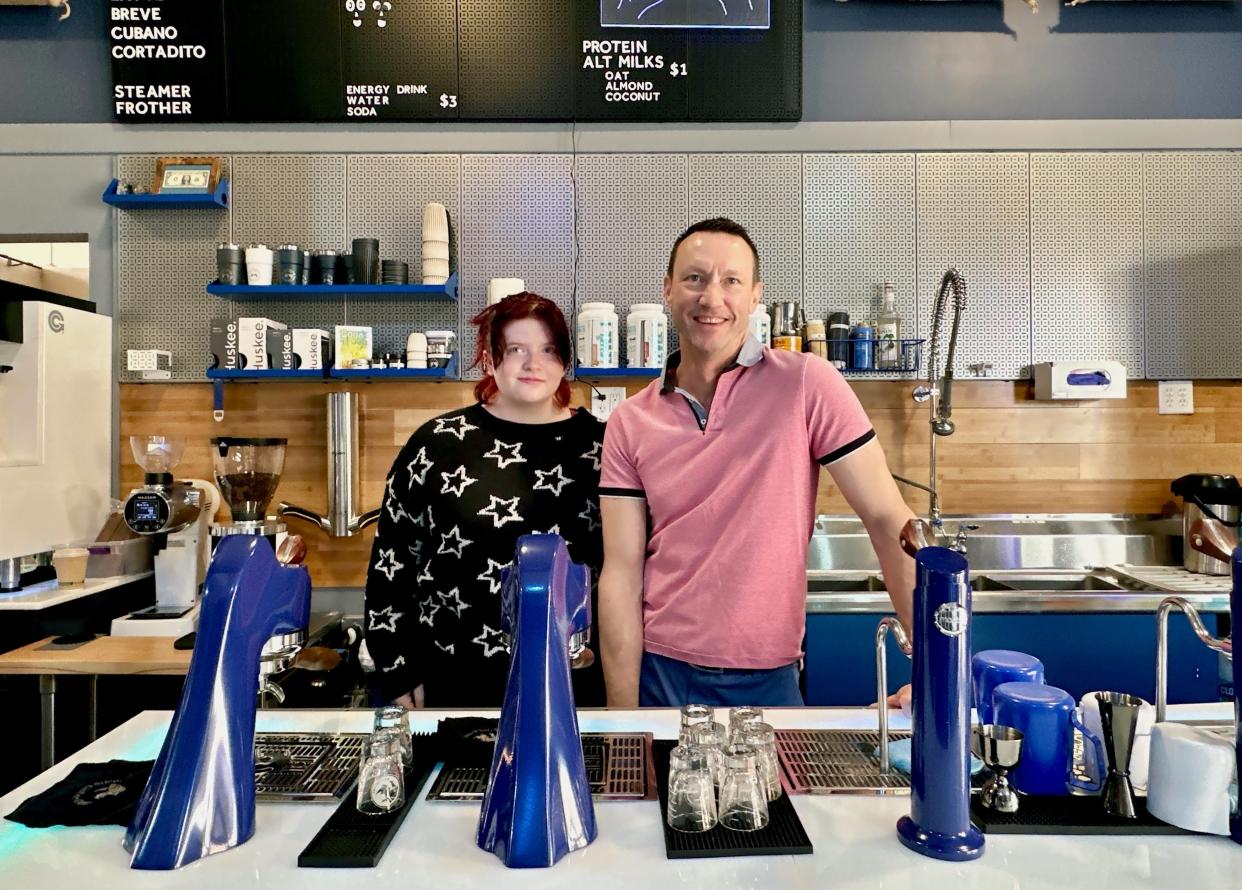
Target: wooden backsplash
1010,454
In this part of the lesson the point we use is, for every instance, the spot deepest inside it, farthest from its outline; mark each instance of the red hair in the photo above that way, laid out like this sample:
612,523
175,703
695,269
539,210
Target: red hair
492,322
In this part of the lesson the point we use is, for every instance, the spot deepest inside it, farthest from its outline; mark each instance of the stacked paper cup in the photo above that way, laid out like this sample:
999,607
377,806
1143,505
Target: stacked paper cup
499,288
435,244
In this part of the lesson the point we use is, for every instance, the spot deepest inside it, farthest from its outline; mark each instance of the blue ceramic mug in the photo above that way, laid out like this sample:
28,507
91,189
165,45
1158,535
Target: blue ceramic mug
992,667
1046,716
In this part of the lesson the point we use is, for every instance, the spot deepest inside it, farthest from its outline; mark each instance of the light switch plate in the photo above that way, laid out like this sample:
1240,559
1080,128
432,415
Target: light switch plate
1176,397
605,399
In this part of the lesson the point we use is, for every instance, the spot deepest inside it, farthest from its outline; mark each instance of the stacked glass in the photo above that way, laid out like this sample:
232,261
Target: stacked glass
386,757
712,781
762,737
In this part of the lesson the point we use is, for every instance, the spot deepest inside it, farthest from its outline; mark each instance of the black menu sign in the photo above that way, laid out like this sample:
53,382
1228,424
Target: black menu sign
428,60
167,63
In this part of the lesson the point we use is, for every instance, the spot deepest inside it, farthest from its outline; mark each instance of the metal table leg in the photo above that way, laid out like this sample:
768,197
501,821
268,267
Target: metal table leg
92,706
47,696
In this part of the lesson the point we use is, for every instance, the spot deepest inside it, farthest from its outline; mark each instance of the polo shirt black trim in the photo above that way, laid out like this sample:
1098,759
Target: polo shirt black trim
622,493
841,452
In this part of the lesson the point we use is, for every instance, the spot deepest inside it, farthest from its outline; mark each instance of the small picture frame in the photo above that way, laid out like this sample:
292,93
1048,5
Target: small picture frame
186,176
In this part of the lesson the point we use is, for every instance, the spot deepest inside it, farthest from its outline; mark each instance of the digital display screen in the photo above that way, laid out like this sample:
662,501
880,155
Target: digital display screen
685,13
146,510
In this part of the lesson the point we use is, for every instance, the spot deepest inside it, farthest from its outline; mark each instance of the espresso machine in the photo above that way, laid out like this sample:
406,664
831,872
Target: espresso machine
176,514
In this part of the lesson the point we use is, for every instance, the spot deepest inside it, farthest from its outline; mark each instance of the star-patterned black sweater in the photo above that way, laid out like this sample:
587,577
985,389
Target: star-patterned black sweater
463,489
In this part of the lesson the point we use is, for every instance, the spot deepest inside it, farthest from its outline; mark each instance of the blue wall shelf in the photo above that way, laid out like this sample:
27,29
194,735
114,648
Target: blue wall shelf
169,201
446,291
280,374
433,374
616,372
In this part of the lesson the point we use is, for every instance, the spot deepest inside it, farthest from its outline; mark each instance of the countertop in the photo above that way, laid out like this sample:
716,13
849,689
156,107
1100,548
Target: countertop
854,837
102,655
49,593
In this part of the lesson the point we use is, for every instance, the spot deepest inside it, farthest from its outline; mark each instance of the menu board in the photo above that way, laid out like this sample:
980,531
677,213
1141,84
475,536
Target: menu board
360,61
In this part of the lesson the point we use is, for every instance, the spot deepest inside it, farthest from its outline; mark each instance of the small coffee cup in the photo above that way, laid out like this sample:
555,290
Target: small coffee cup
258,264
70,564
230,264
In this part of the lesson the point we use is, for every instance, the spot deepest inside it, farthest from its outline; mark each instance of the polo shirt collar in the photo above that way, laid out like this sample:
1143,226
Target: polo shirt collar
750,355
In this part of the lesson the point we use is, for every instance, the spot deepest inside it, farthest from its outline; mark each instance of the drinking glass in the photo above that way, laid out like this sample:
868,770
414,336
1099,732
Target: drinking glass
762,737
691,790
396,718
739,717
400,740
381,780
743,801
692,715
712,738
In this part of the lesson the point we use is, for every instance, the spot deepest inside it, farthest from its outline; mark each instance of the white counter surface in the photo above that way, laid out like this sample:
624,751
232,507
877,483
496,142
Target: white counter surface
855,841
49,593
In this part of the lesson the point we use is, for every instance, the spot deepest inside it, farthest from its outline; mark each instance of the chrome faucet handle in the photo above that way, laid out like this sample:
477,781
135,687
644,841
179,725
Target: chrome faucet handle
959,540
267,687
1222,645
922,393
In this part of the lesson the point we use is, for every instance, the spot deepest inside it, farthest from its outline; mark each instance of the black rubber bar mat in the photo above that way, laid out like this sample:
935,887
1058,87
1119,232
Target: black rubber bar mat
350,839
1069,814
783,836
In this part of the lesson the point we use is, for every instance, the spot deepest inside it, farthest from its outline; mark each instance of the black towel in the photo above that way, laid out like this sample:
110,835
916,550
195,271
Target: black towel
93,794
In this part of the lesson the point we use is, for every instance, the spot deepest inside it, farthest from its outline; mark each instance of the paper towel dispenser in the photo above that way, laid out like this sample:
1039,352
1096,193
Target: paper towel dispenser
1080,380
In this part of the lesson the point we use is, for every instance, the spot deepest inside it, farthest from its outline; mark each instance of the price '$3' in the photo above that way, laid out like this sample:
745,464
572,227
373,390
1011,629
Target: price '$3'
447,101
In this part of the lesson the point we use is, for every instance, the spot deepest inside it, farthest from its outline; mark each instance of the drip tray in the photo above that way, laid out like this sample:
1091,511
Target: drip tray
309,766
618,764
836,761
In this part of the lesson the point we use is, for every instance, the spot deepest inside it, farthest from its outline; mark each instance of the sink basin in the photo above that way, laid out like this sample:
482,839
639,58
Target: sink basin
845,584
1043,581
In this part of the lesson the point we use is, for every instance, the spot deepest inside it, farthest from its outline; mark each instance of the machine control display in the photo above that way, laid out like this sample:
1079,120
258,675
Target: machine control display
146,512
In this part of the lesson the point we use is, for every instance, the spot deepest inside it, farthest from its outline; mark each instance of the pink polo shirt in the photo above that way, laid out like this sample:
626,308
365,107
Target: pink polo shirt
731,505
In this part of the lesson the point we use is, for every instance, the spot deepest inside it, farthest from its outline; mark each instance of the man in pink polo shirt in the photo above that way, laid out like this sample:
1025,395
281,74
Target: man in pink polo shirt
707,496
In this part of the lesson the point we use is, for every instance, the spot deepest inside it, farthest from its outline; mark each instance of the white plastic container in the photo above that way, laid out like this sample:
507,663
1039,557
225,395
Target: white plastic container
258,264
597,335
761,324
646,336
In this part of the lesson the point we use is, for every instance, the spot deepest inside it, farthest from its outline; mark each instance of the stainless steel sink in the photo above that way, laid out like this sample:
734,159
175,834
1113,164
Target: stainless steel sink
844,583
1017,542
1046,582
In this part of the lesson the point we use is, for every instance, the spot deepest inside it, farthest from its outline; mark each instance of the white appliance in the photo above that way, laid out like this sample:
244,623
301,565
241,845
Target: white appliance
55,427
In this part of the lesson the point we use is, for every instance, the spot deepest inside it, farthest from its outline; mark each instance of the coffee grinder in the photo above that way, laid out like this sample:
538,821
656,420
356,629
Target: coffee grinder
176,514
247,471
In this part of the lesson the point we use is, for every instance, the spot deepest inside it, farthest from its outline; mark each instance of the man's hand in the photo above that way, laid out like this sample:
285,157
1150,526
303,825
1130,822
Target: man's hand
412,701
903,698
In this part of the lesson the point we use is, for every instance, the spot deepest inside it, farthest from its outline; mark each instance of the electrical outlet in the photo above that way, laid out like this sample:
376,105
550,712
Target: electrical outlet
1176,397
605,399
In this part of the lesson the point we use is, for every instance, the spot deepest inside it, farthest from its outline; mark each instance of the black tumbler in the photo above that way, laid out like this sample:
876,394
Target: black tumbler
325,267
288,265
230,264
366,261
306,267
345,268
839,339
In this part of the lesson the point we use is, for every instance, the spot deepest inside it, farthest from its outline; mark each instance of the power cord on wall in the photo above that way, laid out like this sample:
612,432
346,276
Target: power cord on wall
573,293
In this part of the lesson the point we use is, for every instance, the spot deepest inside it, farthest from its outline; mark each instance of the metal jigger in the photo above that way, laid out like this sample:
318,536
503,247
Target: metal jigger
1119,718
1000,749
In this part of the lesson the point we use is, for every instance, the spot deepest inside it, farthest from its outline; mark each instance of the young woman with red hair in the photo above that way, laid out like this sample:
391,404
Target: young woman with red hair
463,489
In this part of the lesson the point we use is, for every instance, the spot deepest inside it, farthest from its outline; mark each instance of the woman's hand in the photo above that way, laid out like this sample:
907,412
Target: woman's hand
412,701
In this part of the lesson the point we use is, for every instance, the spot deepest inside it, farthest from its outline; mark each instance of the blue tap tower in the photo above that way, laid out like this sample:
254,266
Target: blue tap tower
200,797
1235,615
538,803
939,822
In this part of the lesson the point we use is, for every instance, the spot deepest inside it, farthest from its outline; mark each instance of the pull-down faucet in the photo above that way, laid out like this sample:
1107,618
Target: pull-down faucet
938,392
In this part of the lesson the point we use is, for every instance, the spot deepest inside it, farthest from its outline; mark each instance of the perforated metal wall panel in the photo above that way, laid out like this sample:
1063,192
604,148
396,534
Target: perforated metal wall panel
858,220
1193,249
517,221
387,194
630,210
164,260
1087,257
763,192
974,214
292,199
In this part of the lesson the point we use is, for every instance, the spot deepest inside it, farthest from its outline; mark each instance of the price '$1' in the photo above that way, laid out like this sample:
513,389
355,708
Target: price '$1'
678,69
